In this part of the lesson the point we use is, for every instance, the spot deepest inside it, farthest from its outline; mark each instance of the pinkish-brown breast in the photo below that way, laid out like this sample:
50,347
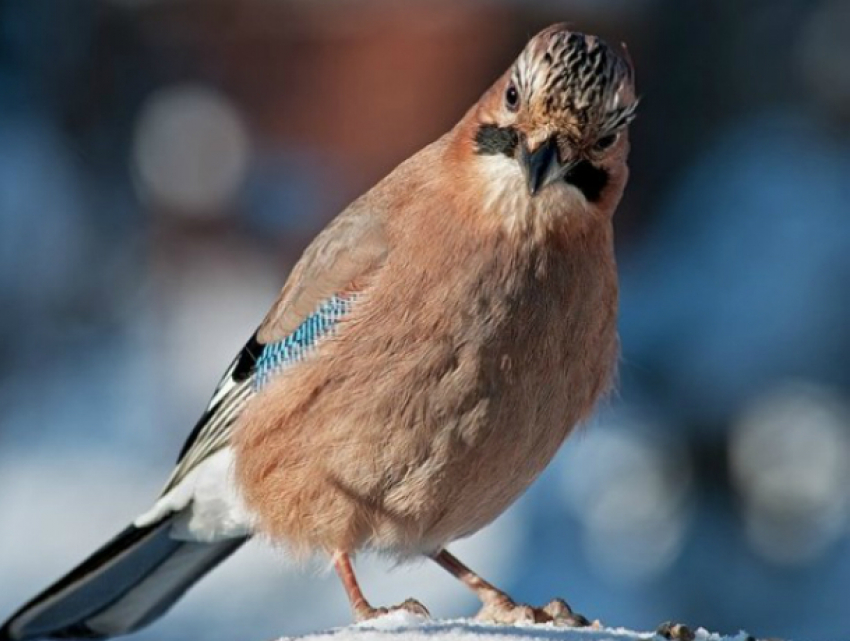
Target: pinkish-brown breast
447,391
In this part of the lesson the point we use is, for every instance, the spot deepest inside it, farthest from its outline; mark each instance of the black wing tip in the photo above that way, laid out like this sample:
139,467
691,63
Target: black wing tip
76,631
247,360
6,633
124,539
23,626
242,369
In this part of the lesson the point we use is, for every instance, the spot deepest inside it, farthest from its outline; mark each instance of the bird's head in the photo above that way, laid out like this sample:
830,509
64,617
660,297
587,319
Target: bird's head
557,120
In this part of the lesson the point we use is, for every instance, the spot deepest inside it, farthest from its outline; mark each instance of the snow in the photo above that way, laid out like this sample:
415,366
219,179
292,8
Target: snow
404,626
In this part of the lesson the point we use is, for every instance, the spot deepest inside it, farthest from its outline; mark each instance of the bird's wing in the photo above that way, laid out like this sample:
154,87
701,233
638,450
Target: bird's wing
318,293
336,262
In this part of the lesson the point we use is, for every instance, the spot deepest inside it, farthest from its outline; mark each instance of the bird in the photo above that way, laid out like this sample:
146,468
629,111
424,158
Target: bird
427,356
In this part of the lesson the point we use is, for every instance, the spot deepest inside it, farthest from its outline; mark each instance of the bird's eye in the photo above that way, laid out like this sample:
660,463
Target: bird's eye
605,142
512,97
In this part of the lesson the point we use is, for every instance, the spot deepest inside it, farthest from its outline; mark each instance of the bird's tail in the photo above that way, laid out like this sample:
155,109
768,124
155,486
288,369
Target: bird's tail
122,587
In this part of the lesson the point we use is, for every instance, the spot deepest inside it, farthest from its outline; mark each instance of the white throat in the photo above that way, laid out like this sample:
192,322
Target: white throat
506,196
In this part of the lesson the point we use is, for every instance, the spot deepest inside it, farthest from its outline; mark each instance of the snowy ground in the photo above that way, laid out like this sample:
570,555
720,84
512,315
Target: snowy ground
402,626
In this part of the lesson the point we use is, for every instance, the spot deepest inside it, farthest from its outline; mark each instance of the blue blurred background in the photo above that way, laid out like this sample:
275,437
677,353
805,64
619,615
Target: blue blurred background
163,163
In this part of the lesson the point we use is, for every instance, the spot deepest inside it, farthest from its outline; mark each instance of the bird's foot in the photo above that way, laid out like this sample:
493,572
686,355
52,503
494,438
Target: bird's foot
365,612
675,632
506,611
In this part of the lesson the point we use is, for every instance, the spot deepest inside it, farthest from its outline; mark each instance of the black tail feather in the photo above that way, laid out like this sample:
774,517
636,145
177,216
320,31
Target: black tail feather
125,585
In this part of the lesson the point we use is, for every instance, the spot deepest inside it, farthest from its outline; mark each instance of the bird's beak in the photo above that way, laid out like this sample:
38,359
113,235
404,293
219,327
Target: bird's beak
541,166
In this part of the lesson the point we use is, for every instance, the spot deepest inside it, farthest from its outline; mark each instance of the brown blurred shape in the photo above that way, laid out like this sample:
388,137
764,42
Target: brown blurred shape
366,82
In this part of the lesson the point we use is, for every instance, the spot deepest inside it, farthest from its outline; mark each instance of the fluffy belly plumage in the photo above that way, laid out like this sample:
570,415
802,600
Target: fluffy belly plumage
429,443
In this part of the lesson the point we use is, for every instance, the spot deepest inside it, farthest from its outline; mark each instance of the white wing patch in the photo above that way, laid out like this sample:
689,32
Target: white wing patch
209,499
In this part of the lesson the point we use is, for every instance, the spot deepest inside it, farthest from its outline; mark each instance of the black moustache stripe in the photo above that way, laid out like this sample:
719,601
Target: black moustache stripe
491,140
588,179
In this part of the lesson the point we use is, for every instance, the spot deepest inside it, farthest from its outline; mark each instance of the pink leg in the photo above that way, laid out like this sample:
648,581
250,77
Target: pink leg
499,607
359,605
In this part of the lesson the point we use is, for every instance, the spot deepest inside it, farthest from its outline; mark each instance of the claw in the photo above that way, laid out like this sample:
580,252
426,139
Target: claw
675,631
562,614
414,607
557,612
366,612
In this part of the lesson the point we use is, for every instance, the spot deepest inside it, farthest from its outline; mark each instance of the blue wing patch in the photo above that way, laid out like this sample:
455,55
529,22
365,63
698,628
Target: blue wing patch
321,323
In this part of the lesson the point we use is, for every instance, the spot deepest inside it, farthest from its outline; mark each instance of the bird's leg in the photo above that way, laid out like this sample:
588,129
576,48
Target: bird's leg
359,605
499,607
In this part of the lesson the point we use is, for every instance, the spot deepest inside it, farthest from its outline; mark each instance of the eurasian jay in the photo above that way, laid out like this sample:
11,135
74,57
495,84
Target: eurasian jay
428,355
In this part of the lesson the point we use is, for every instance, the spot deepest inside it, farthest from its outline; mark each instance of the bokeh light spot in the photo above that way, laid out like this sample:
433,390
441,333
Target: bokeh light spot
789,456
190,150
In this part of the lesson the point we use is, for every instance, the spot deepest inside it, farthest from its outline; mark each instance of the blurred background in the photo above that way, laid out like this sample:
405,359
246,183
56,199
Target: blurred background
164,162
